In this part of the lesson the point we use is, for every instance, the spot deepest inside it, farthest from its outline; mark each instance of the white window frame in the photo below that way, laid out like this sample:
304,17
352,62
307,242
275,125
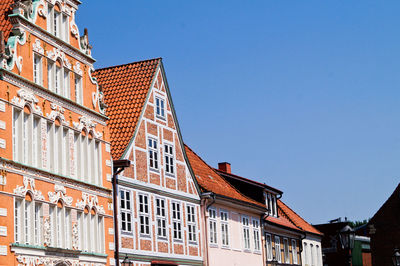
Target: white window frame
268,243
160,107
224,220
294,251
246,232
28,222
37,69
176,209
153,154
191,223
126,210
169,159
278,255
212,225
144,214
161,218
256,234
286,255
78,89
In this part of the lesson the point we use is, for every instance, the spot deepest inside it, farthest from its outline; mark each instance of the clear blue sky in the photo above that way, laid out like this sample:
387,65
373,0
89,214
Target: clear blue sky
302,95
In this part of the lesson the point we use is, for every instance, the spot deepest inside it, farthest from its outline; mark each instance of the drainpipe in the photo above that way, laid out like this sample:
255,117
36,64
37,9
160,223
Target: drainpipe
264,254
118,167
205,197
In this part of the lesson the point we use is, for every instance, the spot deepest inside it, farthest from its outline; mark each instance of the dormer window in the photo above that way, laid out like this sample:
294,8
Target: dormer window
270,201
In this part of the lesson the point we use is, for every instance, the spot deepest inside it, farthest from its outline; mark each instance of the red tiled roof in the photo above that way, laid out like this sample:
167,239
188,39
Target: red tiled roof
5,24
282,220
296,219
209,180
125,90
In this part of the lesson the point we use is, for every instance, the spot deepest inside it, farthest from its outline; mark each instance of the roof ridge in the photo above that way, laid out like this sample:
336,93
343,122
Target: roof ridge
127,64
249,180
212,169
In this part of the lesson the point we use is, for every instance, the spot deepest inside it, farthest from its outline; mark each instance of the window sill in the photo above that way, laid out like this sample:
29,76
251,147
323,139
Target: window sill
161,118
163,239
192,243
225,247
178,241
246,250
154,170
213,245
145,236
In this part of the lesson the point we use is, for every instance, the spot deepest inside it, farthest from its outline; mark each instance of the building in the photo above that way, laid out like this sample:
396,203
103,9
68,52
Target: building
54,149
333,252
384,230
159,199
233,227
289,239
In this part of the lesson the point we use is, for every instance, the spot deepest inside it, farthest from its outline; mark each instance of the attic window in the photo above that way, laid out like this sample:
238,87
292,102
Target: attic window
160,108
270,201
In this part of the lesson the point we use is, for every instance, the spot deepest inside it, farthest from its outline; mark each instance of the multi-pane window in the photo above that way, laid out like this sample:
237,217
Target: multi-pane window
66,84
126,211
294,251
91,232
305,250
271,204
161,218
37,69
246,232
144,214
28,222
317,251
78,89
212,220
224,228
160,107
268,243
87,152
312,255
57,23
256,234
278,249
191,222
169,159
286,250
26,138
176,221
153,153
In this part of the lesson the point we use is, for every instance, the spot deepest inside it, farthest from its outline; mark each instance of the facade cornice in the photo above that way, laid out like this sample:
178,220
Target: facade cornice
159,191
19,21
44,175
240,204
21,82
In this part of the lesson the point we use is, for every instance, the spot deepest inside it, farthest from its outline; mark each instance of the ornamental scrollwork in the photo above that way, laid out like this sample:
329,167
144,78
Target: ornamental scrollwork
88,124
57,53
26,96
47,231
57,111
37,47
75,236
11,58
22,190
60,193
90,201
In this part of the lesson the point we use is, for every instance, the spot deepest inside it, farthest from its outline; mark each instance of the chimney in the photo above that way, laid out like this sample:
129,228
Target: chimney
225,166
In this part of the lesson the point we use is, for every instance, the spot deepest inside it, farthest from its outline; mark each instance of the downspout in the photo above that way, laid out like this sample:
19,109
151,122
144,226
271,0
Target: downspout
264,253
301,247
206,196
118,167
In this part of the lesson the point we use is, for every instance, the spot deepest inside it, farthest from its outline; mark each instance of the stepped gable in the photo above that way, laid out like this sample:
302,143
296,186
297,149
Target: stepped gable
296,219
125,89
5,24
209,180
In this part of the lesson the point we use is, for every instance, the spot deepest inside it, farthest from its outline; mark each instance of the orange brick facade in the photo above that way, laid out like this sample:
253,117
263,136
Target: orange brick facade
157,192
51,195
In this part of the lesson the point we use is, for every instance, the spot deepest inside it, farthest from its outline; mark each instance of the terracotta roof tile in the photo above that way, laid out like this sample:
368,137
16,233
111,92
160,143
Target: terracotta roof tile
282,220
296,219
5,24
209,180
125,90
